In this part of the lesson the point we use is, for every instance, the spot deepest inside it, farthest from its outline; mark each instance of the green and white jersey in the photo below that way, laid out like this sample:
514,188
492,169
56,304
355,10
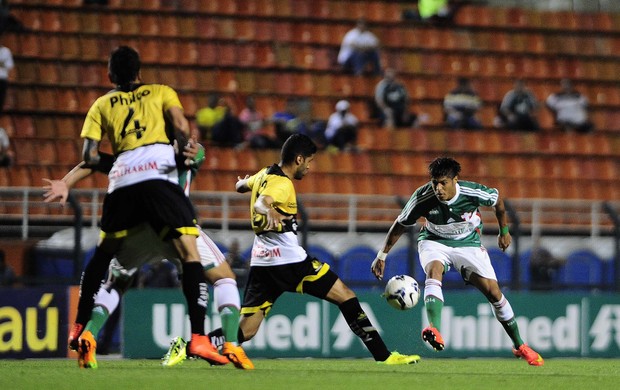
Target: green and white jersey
455,223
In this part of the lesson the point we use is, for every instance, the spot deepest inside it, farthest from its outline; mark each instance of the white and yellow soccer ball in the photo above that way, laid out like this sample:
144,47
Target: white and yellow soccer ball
402,292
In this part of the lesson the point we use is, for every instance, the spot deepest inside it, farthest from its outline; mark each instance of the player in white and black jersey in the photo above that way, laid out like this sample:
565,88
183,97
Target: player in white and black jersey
450,238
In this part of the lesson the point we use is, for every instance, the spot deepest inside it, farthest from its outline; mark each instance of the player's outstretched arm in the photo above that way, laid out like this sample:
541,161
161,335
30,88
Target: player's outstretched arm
503,239
378,265
59,189
242,184
178,120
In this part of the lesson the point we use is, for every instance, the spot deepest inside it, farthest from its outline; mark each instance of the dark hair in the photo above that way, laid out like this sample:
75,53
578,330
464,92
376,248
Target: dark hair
444,166
124,66
295,145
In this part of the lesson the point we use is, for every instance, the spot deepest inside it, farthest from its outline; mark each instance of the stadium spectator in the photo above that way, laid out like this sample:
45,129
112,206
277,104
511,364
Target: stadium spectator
208,116
257,134
291,120
279,264
544,267
6,65
519,108
461,105
393,101
228,132
162,274
439,12
6,154
569,108
450,239
359,49
7,275
239,265
342,126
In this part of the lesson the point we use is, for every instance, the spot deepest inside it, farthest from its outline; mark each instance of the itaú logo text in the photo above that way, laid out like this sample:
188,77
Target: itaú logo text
19,331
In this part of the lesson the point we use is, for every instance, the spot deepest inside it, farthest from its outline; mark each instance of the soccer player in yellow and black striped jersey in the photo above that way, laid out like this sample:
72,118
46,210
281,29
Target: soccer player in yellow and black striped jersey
143,189
279,264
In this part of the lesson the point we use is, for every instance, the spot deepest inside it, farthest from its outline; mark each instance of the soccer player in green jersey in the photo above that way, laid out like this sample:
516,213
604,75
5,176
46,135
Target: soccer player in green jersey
450,238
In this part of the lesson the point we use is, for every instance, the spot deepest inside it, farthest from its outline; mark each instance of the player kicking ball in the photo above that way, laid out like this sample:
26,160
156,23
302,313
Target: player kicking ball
450,238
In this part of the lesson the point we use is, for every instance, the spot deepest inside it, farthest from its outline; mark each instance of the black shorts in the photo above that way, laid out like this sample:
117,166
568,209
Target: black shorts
266,284
160,203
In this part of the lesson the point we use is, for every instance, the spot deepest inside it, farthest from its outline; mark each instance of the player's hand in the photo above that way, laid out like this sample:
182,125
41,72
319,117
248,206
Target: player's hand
504,241
191,150
56,189
377,267
274,220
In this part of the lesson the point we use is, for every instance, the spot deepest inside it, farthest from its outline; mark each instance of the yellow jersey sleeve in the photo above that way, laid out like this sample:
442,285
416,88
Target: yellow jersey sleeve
131,119
272,182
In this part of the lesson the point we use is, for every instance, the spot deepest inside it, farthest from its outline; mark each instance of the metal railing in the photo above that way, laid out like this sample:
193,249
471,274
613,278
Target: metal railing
25,215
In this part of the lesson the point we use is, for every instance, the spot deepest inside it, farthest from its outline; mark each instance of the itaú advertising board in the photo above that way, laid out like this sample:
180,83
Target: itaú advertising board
556,325
33,322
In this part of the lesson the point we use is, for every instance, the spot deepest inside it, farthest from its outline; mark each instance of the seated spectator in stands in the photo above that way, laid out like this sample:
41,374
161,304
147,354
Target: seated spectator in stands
342,125
520,108
208,116
257,134
543,268
228,131
360,48
7,275
434,11
393,101
6,66
570,108
163,274
239,265
286,122
6,154
461,105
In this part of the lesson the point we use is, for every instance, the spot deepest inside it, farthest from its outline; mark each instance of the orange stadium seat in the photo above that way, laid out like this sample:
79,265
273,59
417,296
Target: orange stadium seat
68,151
19,176
28,72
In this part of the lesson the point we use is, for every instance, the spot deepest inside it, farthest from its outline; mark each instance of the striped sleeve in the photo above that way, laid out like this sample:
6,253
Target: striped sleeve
486,196
414,208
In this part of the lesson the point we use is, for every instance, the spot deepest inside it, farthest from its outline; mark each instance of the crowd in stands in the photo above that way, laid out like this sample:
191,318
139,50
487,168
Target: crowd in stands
221,124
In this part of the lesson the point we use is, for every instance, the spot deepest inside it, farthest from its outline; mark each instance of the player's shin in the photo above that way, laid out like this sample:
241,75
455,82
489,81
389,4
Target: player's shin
506,316
360,325
105,303
197,295
433,301
228,303
92,277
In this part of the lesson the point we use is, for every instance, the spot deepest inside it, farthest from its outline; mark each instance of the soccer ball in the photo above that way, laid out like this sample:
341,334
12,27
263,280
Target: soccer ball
402,292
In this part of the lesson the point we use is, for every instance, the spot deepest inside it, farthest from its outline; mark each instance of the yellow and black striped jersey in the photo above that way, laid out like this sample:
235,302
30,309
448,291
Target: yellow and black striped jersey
271,181
131,119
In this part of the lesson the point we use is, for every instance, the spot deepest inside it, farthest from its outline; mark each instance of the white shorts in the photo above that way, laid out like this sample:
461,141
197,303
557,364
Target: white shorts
143,246
464,260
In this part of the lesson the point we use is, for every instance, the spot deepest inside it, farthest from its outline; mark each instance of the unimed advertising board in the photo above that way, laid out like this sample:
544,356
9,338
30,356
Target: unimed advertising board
555,324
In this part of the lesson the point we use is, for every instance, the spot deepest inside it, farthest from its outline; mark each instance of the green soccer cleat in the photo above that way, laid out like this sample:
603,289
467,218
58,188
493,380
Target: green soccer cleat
397,358
176,353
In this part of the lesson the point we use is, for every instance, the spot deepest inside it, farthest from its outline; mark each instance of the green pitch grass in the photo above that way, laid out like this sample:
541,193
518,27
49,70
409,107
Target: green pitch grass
322,374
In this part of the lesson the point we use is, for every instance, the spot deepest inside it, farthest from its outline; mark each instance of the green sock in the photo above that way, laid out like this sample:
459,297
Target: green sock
433,311
230,323
512,328
98,318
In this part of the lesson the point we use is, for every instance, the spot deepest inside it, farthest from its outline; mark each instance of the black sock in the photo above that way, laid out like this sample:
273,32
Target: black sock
217,337
361,326
197,295
91,281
